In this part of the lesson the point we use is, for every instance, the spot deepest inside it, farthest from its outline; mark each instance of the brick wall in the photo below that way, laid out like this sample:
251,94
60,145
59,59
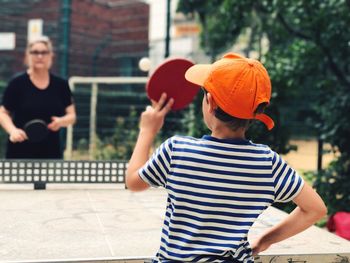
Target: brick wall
105,36
14,16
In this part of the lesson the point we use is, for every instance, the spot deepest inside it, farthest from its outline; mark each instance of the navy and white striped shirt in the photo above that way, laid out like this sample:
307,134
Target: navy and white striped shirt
216,190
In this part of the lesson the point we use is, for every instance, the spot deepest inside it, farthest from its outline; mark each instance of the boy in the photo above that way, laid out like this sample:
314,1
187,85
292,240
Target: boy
219,184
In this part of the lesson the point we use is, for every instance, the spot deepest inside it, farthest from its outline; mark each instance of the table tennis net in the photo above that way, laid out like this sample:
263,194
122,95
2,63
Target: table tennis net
61,171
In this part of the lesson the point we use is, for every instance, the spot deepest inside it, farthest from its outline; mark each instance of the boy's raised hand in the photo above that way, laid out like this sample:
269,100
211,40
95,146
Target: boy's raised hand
152,119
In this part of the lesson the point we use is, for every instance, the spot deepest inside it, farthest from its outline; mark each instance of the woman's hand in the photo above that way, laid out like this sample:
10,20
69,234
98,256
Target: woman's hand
18,135
59,122
152,119
55,124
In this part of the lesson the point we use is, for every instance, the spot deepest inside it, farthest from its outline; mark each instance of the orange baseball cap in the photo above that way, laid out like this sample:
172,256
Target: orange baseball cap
237,84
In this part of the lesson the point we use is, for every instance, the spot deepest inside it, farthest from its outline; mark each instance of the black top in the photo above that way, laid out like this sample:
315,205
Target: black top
26,102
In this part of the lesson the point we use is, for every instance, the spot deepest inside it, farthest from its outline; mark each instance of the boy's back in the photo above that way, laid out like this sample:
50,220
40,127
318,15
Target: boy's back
217,188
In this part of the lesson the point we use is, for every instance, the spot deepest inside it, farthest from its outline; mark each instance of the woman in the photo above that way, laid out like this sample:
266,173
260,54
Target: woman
36,94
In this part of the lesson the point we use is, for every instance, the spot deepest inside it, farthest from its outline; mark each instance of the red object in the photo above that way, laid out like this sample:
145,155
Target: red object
169,77
340,223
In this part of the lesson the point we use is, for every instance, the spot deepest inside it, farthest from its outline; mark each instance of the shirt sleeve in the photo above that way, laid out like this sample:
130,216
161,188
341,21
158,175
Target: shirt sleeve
10,96
287,182
157,168
67,97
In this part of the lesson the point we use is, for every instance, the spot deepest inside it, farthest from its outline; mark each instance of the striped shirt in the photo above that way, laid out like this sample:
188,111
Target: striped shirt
216,190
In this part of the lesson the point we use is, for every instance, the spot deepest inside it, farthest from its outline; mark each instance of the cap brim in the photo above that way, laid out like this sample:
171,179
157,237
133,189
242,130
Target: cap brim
266,120
197,74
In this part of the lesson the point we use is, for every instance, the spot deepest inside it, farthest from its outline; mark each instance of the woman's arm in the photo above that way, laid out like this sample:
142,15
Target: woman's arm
15,134
68,119
310,209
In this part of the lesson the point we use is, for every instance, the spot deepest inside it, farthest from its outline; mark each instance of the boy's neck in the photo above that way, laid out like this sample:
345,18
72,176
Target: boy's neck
222,132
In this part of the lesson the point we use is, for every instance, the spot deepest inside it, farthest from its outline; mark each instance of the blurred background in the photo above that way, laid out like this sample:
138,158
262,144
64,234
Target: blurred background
305,45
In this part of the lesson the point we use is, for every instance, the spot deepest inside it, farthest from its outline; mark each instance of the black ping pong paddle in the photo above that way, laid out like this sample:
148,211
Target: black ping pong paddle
36,130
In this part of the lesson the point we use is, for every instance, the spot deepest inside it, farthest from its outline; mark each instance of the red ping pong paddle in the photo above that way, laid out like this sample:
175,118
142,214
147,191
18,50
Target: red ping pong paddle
36,130
169,77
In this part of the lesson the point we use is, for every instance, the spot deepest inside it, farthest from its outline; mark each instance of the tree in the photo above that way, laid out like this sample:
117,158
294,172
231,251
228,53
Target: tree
307,59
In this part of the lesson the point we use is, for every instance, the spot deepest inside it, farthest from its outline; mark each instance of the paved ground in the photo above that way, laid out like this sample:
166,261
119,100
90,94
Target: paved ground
73,225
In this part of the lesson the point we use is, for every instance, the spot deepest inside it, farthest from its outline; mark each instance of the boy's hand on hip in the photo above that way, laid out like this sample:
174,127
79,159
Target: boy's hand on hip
259,246
152,119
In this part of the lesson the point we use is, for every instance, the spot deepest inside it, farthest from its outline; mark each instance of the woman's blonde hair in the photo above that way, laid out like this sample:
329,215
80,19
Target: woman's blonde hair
40,39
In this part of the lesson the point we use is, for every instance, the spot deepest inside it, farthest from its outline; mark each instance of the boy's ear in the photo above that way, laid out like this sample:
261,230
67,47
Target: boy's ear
211,102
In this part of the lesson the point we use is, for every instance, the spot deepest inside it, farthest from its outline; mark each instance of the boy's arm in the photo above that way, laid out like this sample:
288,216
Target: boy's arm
152,120
310,209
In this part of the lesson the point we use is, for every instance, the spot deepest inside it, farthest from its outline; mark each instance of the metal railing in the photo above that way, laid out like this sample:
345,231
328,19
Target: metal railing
95,81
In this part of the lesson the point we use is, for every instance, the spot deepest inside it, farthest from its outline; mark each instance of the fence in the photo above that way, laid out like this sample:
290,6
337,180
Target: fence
95,82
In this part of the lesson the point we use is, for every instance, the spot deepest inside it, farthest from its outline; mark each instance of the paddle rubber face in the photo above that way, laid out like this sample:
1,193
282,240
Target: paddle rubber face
169,77
36,130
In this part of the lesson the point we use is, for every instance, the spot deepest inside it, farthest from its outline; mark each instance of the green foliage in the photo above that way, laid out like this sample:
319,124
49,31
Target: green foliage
121,144
307,59
218,31
316,49
82,147
333,185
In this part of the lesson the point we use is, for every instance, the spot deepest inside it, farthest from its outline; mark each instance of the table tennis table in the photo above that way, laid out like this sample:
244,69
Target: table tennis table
115,225
87,215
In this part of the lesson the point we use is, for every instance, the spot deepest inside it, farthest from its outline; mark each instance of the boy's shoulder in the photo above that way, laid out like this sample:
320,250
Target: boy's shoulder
212,141
260,145
183,138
